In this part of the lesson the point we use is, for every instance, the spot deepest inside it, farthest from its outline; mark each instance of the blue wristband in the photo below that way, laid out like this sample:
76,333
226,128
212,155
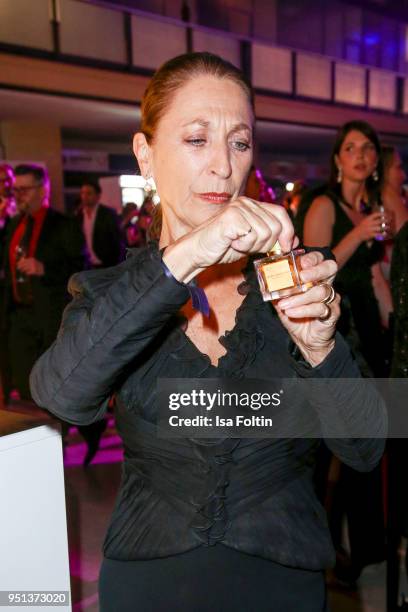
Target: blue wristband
198,297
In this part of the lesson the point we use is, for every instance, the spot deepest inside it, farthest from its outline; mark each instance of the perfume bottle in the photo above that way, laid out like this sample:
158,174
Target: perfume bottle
279,274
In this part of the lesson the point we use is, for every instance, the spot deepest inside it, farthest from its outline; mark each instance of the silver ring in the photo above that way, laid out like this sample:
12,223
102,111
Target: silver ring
327,314
330,297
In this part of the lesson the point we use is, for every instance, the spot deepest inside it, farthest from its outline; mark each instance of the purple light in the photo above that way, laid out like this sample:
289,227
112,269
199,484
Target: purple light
371,39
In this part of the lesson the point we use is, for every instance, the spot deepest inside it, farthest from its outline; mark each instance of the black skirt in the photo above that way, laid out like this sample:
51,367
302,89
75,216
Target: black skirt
209,579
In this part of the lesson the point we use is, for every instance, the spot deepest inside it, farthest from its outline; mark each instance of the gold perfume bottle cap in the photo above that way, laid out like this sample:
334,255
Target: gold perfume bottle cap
276,249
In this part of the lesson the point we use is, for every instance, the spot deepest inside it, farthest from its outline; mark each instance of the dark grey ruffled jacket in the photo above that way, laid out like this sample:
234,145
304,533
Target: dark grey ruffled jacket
120,334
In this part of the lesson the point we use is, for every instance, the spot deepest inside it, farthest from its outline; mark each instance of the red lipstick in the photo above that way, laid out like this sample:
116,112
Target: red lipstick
215,197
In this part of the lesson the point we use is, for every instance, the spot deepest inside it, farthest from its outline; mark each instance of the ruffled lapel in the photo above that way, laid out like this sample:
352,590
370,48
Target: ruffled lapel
242,343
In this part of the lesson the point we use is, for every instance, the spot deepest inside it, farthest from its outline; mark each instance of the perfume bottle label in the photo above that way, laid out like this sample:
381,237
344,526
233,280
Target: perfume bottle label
278,275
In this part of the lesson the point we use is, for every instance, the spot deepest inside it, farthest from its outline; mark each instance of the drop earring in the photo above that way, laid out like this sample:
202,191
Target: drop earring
149,186
339,175
375,175
151,191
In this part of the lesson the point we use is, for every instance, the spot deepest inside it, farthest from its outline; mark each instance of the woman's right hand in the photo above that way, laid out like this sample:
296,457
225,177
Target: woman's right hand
369,227
243,227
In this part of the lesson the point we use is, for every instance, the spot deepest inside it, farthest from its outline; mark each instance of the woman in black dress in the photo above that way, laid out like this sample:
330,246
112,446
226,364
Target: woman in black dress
345,218
228,523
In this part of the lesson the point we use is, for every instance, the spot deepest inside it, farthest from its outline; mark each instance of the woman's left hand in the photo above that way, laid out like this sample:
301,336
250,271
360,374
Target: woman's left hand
300,313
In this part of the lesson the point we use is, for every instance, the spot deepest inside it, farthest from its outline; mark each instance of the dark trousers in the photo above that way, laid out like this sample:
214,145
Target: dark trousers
359,497
26,343
209,579
5,365
397,514
28,339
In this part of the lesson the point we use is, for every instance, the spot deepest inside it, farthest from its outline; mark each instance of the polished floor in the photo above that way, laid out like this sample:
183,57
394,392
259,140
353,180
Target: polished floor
90,496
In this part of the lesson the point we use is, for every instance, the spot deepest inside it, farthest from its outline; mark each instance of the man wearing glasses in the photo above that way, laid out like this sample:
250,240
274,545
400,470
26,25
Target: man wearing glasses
42,249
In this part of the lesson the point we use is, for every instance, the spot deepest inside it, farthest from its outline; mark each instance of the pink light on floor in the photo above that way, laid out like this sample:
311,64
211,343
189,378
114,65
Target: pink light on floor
110,448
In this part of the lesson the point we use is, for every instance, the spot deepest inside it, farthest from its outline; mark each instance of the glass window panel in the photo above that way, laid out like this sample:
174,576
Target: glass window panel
226,47
16,24
382,93
92,31
271,68
349,84
313,76
155,42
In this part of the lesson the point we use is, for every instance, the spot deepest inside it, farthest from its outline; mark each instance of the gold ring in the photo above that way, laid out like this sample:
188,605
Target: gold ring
330,297
327,314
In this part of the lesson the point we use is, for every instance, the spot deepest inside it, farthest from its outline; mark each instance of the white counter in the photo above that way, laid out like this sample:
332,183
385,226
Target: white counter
33,528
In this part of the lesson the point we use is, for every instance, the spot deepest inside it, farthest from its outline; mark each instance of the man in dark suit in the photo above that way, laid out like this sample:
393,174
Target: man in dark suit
42,249
101,228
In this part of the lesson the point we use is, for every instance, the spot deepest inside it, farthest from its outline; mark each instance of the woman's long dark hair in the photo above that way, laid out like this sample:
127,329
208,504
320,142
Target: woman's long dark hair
373,187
